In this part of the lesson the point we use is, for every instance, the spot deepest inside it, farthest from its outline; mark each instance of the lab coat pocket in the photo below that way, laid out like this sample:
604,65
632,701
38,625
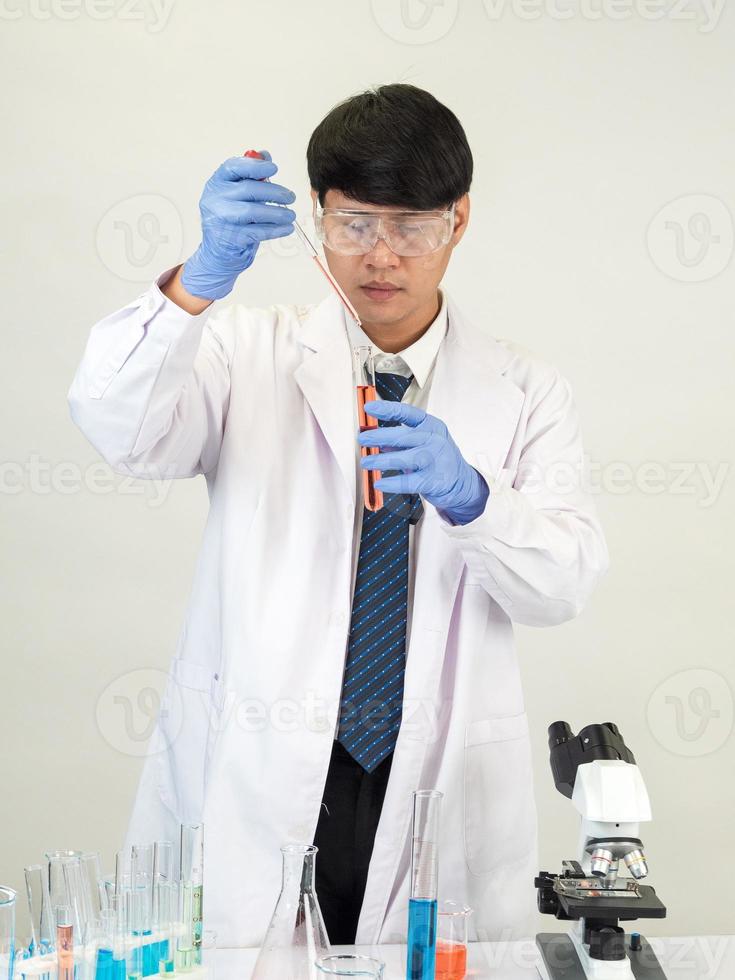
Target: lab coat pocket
188,720
499,808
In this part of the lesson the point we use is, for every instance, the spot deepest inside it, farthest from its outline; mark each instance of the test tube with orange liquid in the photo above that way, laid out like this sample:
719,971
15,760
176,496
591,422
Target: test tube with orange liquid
365,391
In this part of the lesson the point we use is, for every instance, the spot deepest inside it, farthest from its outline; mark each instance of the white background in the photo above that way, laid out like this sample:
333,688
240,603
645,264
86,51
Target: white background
586,119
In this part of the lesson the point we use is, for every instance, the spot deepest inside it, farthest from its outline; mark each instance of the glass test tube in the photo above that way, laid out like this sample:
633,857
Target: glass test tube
119,896
420,964
64,943
39,908
141,882
122,871
105,957
78,899
191,898
117,921
365,391
98,895
167,925
133,929
7,932
162,907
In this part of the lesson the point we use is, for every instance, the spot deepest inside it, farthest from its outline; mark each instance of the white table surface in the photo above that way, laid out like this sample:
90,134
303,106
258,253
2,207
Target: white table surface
682,958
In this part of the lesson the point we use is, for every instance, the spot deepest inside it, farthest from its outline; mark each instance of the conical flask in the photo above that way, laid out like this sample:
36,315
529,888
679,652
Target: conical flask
296,936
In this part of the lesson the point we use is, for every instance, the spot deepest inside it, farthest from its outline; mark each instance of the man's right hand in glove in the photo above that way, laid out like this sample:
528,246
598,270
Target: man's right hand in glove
239,209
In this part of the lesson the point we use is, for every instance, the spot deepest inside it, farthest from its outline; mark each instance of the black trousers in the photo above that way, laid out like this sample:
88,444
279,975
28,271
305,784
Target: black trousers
345,833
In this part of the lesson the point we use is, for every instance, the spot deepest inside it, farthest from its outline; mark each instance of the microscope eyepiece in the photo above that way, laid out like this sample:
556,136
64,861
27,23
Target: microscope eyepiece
559,732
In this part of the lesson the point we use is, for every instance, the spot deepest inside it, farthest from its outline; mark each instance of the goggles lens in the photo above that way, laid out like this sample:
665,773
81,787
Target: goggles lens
405,233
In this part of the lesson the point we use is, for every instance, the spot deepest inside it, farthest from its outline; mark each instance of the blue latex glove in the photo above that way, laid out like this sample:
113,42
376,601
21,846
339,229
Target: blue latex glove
434,466
236,217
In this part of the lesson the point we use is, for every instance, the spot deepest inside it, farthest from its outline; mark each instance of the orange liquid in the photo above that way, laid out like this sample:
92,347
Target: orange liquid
451,960
373,498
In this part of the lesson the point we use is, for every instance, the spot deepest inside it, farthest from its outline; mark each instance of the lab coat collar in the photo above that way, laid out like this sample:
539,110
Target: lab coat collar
417,359
469,391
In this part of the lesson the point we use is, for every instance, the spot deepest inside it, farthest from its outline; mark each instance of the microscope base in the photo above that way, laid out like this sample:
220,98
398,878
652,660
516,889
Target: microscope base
561,961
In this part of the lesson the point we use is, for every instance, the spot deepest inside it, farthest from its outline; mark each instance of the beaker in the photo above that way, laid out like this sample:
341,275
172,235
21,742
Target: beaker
365,391
7,932
296,937
451,940
421,946
350,965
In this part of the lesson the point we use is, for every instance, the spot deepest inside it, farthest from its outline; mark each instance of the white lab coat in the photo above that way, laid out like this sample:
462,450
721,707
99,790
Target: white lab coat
261,402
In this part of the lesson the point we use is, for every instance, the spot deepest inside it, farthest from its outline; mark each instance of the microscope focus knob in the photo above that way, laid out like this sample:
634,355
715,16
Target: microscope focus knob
607,943
547,901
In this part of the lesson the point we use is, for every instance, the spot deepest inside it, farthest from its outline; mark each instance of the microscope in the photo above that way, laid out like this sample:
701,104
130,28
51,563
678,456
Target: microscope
598,773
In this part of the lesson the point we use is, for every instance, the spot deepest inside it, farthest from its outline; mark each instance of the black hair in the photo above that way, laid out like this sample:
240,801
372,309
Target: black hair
395,145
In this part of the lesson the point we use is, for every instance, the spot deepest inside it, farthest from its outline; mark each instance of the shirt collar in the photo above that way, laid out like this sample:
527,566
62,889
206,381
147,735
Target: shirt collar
417,359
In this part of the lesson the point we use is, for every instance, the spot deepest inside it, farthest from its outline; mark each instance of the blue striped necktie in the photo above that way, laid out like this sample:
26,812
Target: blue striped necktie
372,689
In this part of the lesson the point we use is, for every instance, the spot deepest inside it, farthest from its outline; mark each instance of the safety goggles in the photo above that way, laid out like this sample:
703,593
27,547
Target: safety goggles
404,232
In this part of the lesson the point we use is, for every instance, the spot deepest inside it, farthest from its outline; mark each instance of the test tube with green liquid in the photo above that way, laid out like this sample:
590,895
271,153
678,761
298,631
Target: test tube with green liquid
191,896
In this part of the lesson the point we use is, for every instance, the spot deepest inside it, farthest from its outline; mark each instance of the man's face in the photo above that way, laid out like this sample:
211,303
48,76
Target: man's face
383,287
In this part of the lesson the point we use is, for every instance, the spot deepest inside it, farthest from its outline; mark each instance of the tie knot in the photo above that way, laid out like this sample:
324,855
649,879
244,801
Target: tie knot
391,387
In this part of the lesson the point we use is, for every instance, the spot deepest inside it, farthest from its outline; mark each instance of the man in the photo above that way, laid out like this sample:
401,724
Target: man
334,659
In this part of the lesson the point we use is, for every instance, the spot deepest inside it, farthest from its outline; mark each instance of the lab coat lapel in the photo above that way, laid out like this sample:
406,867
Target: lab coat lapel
325,379
471,394
480,408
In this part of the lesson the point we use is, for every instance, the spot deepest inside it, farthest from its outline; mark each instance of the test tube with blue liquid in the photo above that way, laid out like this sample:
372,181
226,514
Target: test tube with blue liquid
142,884
134,913
118,925
105,959
422,903
43,926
